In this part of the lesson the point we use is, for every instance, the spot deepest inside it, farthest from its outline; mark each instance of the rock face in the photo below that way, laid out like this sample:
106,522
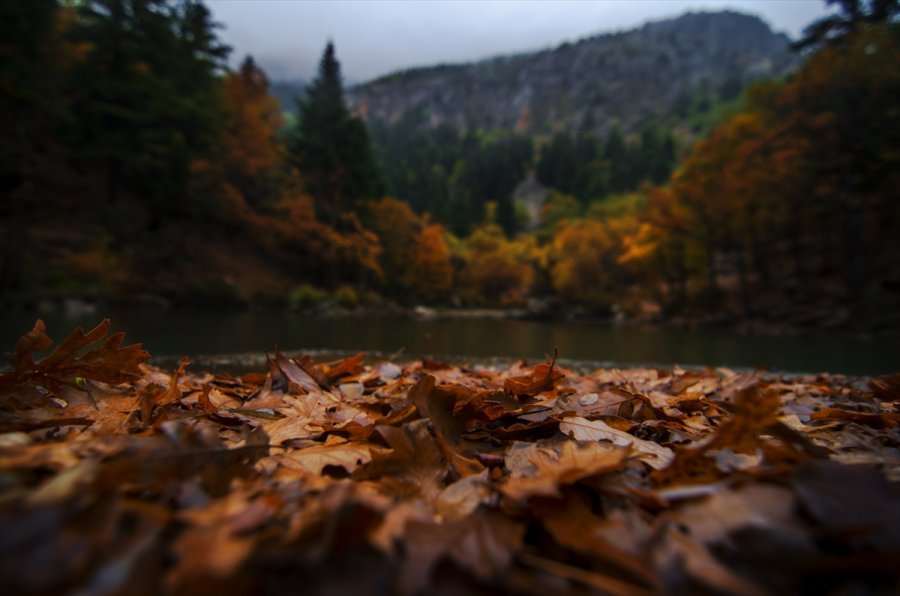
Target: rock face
631,77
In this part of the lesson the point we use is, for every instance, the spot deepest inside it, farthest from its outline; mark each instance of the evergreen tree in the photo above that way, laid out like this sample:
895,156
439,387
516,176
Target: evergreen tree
616,155
150,96
330,147
505,215
31,107
835,28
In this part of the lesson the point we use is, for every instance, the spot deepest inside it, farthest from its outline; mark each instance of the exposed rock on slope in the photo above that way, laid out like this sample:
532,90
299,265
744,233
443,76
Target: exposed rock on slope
632,76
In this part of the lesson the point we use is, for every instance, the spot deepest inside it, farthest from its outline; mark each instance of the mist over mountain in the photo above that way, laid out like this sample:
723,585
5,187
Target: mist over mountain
652,72
287,91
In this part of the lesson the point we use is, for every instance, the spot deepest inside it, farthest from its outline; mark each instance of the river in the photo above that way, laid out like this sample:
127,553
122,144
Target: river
217,339
241,339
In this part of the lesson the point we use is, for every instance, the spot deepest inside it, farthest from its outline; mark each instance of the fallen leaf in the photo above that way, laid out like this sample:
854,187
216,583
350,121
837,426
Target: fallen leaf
580,429
573,463
483,543
313,460
107,363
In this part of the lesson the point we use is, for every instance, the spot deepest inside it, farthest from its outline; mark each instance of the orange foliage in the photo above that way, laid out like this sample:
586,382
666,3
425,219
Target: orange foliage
431,274
252,153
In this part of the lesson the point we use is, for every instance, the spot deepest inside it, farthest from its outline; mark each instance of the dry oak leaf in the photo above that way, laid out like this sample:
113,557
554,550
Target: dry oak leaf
313,460
413,467
106,363
581,429
754,411
573,463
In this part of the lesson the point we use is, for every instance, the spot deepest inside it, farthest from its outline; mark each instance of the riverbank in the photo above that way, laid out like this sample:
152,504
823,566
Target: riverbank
419,474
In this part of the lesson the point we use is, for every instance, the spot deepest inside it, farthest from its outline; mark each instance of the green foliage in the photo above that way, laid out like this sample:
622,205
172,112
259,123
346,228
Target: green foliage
330,148
558,208
587,168
149,100
346,296
625,205
452,175
305,296
852,16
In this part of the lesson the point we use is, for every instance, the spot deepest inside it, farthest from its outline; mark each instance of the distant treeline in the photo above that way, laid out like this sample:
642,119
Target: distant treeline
134,163
454,175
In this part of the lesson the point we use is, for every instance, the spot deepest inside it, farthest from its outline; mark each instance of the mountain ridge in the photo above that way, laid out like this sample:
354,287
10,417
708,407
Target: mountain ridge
628,77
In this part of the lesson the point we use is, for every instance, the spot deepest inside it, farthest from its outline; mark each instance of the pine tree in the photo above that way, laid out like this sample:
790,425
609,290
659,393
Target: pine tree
330,148
150,95
616,155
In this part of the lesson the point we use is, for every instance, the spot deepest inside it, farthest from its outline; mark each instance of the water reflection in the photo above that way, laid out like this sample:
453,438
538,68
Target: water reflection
196,333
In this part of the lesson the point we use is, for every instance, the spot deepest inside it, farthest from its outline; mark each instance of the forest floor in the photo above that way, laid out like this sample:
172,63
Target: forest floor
377,477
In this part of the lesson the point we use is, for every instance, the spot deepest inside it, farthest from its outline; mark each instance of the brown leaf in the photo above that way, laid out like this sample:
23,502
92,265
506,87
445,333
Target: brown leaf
463,496
655,455
702,566
298,379
541,378
572,525
755,410
875,420
35,340
207,554
107,363
886,388
438,408
413,467
603,583
347,366
573,463
482,544
173,393
313,460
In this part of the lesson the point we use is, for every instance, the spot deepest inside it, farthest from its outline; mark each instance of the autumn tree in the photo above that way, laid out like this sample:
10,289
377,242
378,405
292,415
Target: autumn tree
398,229
431,273
498,271
584,263
252,153
330,147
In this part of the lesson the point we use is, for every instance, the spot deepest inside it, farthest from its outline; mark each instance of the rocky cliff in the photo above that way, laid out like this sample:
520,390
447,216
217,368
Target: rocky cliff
655,71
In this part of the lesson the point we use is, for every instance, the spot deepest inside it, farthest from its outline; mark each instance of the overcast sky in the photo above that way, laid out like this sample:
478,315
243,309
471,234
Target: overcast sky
373,38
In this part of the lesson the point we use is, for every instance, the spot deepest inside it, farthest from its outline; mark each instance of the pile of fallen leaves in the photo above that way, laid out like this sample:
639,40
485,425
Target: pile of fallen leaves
346,477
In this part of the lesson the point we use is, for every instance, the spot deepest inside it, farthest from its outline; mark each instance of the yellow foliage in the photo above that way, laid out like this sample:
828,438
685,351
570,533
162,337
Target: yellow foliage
398,229
498,271
586,260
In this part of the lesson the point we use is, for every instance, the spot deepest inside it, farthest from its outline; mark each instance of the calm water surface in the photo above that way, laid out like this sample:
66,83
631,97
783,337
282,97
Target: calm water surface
198,334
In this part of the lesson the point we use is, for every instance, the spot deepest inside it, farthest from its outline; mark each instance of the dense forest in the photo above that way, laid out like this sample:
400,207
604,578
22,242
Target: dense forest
135,166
